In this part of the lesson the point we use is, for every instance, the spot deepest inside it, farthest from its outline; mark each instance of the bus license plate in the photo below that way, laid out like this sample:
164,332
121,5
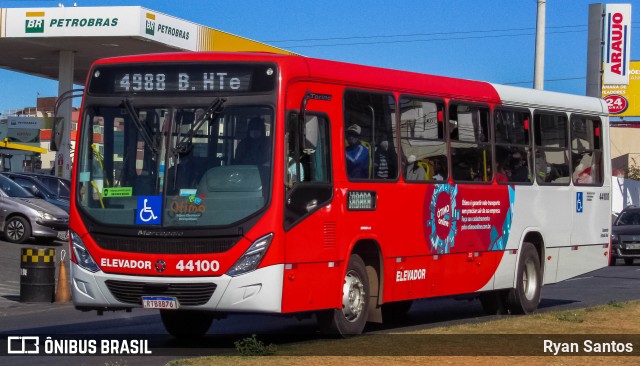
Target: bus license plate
62,235
158,302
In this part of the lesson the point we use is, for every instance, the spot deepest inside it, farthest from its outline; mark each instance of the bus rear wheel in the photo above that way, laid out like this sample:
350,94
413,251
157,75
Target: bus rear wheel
525,297
351,318
184,324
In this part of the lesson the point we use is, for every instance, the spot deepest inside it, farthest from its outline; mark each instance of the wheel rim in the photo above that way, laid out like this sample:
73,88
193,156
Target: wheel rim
353,297
15,230
529,279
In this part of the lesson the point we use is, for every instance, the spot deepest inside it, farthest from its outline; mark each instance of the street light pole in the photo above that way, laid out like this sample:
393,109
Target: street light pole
538,71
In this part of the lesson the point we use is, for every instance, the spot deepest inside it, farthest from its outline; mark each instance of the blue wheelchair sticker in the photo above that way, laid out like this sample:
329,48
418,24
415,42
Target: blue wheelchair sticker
579,202
149,210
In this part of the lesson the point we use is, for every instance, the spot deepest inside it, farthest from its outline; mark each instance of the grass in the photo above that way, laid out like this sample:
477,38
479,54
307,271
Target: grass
508,334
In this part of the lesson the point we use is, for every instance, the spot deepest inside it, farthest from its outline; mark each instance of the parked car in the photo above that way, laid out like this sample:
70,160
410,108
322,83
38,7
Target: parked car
22,215
625,236
39,189
59,186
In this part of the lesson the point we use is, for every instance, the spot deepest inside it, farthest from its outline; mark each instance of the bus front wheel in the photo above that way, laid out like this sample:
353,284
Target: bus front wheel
186,323
351,318
525,297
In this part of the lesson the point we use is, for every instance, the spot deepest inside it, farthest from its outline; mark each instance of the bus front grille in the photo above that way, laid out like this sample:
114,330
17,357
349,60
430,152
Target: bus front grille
192,294
165,245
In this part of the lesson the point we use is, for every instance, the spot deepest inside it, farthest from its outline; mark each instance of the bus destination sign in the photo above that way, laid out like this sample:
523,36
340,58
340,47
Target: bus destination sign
182,79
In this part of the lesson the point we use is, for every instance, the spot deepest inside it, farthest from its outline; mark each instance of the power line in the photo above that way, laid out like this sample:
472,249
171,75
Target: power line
426,40
425,34
417,34
531,82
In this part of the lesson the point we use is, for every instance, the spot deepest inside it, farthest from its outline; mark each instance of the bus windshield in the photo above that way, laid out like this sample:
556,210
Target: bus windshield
203,165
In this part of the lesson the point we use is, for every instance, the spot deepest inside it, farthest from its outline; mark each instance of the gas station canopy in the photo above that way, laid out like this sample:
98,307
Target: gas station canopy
62,43
31,39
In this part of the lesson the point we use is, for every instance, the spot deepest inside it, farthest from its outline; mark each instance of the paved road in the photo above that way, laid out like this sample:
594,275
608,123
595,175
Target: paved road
618,283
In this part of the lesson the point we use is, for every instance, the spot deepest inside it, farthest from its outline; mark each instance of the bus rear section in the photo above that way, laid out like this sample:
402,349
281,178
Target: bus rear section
488,198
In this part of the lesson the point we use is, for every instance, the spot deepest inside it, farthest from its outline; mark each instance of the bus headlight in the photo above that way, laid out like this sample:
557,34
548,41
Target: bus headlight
252,257
81,254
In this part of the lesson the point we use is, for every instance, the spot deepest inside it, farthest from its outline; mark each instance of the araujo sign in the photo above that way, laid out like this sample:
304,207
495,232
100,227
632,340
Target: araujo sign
617,44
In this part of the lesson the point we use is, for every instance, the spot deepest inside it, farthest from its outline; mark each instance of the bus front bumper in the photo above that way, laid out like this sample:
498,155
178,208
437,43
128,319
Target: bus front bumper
258,291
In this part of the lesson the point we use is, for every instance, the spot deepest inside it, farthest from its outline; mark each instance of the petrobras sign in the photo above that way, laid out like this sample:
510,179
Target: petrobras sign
72,21
617,44
169,30
34,123
127,21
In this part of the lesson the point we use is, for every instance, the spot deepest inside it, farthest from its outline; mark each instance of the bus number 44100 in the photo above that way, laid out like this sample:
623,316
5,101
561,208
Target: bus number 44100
199,266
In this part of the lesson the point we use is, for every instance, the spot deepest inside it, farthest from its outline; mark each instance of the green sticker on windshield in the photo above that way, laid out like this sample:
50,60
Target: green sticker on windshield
117,192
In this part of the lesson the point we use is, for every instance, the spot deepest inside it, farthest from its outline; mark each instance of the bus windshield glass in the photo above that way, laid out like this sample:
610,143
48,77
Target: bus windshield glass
175,166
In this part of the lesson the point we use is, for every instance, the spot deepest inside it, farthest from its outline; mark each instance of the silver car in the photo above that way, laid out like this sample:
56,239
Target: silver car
22,215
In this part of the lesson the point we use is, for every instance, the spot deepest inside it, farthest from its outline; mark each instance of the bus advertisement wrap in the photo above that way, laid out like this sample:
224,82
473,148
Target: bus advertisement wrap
479,218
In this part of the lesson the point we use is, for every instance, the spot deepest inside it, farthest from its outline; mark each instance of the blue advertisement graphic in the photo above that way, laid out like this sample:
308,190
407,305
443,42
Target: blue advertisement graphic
149,210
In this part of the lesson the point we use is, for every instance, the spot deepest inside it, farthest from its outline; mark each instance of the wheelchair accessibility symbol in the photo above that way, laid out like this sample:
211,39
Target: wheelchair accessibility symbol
149,210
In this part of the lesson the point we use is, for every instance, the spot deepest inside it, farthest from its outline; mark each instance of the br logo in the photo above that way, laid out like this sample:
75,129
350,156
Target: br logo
150,24
34,22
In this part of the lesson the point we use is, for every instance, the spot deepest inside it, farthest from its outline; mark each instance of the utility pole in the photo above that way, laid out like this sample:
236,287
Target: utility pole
538,71
594,50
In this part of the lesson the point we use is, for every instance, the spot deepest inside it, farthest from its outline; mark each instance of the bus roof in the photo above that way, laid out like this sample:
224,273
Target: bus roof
360,76
517,96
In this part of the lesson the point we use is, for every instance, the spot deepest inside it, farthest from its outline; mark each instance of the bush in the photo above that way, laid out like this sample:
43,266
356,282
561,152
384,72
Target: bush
251,346
572,317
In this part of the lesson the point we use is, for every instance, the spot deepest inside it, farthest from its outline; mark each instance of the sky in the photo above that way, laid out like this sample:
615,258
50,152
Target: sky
490,40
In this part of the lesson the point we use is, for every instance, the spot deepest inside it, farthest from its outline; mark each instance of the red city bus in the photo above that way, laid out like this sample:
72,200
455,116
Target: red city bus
209,183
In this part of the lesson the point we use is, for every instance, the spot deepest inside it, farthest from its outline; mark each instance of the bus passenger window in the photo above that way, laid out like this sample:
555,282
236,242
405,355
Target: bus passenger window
552,149
370,136
424,148
471,158
513,149
586,150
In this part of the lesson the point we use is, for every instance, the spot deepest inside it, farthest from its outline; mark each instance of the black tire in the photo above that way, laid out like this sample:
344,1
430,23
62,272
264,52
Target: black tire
185,324
495,302
394,311
352,317
628,261
17,229
524,299
612,260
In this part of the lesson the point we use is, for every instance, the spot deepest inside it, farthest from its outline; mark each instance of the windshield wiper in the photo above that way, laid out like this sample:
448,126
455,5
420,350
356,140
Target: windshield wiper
146,136
215,108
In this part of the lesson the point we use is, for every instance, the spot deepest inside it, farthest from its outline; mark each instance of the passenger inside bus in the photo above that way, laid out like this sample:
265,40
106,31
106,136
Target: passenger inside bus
357,154
503,173
255,148
585,169
386,160
519,167
415,170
